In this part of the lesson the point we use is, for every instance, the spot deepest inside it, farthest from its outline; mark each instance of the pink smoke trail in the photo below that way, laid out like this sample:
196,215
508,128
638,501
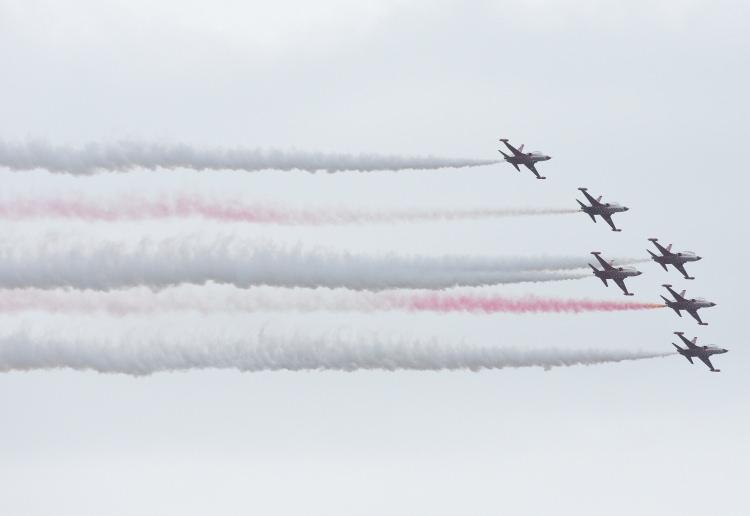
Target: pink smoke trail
235,211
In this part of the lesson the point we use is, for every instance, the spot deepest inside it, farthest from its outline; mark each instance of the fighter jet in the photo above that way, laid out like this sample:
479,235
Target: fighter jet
702,352
526,159
677,260
691,306
616,274
604,209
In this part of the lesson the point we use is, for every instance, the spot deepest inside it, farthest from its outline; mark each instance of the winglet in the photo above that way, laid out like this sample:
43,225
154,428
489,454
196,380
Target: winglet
581,188
504,140
679,333
596,253
653,239
667,285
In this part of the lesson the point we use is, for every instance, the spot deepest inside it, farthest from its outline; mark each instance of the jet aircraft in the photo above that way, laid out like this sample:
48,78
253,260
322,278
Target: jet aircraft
604,209
702,352
611,272
677,260
691,306
527,159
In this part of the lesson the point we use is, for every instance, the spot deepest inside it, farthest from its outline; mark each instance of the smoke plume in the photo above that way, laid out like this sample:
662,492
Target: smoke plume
164,263
125,156
261,351
234,211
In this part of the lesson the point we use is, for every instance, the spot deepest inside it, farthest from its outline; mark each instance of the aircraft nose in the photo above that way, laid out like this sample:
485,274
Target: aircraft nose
625,208
724,350
698,258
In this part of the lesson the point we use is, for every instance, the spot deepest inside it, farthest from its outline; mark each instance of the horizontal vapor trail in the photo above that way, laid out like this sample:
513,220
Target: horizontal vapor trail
234,211
262,351
159,264
230,299
125,156
530,304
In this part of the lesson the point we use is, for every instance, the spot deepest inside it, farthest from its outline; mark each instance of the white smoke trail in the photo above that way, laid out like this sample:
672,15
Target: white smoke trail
264,351
158,264
125,156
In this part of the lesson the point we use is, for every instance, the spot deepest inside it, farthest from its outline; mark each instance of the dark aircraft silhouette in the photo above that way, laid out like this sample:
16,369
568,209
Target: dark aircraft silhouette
701,352
604,209
527,159
616,274
677,260
691,306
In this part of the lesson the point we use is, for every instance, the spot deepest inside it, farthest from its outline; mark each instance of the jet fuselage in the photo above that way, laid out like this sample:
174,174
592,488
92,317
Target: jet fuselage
617,273
603,209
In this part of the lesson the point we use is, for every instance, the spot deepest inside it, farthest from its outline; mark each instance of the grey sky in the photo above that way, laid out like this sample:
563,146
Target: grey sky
644,102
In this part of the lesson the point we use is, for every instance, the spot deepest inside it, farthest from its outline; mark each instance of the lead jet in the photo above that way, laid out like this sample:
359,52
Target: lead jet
526,159
691,306
701,352
616,274
604,209
676,260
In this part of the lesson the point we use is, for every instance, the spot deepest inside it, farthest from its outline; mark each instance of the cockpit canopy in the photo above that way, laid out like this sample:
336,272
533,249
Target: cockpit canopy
699,299
537,154
688,253
629,269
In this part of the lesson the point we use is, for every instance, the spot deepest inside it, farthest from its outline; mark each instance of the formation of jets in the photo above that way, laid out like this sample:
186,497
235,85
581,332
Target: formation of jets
617,273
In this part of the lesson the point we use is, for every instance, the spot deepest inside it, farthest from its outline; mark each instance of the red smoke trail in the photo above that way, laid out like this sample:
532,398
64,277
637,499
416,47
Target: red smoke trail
234,211
443,303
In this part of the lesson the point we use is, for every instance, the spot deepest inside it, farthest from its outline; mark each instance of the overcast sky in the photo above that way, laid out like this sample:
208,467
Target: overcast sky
643,102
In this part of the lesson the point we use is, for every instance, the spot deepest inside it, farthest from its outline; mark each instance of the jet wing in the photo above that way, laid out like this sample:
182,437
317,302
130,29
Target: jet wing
688,343
531,167
706,360
515,151
621,283
604,263
608,220
680,267
593,201
664,251
677,296
695,315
